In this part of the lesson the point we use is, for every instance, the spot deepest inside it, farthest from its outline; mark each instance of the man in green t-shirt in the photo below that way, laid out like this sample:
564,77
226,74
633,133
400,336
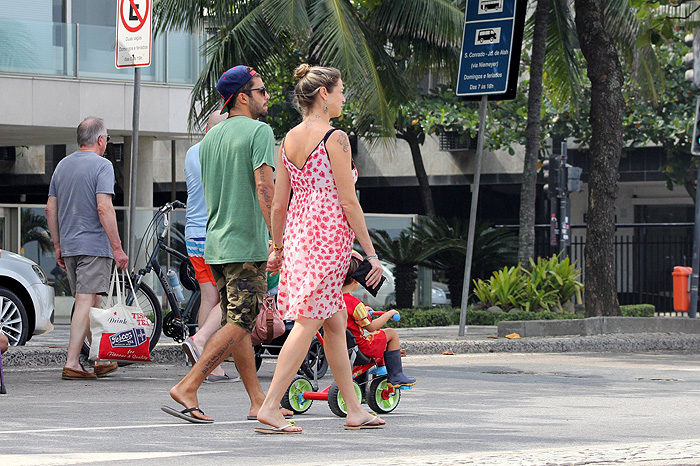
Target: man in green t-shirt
237,159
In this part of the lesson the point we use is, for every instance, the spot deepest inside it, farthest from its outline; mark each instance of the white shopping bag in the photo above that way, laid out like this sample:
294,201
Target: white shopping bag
120,332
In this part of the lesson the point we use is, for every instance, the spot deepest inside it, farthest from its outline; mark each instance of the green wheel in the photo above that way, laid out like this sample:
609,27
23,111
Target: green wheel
294,396
336,401
381,398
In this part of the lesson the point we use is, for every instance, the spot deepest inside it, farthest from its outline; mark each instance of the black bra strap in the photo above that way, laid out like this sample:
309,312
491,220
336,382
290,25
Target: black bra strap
328,134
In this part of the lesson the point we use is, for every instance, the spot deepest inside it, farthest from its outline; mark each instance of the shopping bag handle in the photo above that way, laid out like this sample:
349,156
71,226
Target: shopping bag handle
121,288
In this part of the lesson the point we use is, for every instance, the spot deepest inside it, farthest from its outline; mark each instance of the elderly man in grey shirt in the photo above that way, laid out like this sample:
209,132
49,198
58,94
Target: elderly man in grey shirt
83,227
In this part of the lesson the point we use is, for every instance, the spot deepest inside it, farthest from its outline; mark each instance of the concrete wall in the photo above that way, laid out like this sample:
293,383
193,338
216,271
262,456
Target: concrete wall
393,158
46,110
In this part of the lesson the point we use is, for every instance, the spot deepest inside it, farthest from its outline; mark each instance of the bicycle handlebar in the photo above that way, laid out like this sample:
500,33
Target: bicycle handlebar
170,206
374,313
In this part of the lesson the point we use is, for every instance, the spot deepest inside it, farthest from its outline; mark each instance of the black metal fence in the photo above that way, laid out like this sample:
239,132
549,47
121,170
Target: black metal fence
644,261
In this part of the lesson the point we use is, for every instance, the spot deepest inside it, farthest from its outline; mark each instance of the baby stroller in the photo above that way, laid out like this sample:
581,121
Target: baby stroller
369,380
314,365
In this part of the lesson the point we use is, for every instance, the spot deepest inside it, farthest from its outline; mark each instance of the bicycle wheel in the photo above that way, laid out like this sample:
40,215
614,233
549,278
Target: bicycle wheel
148,302
381,398
293,398
336,401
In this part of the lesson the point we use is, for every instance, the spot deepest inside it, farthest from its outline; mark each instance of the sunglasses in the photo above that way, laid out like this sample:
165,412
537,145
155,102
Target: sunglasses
263,90
107,137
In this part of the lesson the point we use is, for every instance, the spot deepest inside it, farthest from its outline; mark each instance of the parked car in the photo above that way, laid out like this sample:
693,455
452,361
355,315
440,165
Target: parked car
386,296
26,299
440,295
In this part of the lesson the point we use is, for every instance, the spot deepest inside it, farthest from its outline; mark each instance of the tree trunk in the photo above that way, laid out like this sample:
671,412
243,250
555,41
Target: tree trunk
404,285
528,193
606,114
426,195
455,283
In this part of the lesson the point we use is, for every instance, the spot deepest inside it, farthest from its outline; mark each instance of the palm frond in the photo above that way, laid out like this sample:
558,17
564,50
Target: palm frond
245,39
289,15
339,41
438,22
624,26
562,77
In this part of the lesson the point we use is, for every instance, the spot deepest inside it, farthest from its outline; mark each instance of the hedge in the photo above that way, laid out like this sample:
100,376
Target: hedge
442,316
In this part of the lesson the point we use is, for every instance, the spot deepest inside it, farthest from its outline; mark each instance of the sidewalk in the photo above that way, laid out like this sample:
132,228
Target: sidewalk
50,349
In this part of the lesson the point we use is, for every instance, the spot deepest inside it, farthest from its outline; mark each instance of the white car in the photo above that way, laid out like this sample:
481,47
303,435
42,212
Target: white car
386,296
26,300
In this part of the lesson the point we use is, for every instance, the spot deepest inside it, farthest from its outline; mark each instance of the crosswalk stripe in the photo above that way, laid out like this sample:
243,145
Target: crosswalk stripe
59,459
155,426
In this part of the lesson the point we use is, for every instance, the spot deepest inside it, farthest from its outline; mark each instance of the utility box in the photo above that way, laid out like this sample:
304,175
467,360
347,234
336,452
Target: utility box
681,288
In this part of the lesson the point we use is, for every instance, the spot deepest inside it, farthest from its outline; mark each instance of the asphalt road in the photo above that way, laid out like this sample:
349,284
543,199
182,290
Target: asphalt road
486,409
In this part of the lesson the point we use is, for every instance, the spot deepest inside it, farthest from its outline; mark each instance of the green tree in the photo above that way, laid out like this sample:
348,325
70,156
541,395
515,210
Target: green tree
606,115
379,46
405,253
666,123
493,249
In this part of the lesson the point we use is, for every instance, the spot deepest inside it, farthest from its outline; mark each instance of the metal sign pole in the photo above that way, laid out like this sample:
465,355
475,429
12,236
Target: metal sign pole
134,163
472,216
564,207
694,277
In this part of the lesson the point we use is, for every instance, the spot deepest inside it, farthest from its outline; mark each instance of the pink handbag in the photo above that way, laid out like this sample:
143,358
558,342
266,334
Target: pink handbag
269,324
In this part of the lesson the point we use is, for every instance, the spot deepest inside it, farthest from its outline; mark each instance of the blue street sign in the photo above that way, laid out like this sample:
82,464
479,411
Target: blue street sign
491,45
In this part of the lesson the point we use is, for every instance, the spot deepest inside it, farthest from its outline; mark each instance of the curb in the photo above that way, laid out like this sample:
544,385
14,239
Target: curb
627,343
618,343
599,326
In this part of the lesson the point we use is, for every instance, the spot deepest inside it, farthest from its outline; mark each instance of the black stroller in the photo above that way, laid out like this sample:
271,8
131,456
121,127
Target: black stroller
314,365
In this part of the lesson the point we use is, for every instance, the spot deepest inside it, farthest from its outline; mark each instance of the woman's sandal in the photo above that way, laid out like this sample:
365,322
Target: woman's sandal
278,430
366,425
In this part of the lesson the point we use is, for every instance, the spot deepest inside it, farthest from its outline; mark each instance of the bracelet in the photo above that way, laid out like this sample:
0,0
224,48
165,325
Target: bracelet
277,248
372,256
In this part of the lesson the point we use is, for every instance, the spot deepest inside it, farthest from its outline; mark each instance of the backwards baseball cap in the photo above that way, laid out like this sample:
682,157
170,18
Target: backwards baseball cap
231,81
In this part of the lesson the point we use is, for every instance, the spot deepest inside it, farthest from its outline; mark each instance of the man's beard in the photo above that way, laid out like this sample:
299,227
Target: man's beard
257,110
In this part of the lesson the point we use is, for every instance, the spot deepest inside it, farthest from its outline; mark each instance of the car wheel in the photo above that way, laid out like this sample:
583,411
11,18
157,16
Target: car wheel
13,317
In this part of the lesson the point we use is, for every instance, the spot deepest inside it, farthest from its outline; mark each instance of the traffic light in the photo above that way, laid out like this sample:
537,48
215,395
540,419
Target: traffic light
573,174
692,59
695,142
551,173
689,58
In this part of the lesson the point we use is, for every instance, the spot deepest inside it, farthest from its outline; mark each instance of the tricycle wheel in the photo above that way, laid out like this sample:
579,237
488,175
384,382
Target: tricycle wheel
336,401
382,398
293,398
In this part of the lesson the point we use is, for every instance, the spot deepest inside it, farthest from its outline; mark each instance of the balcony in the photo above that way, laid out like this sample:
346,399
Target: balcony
39,48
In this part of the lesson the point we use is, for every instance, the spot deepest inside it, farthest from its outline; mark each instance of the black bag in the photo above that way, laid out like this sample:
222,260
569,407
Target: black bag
360,275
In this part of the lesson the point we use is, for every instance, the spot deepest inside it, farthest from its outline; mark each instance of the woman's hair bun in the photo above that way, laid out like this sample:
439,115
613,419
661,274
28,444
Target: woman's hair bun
301,70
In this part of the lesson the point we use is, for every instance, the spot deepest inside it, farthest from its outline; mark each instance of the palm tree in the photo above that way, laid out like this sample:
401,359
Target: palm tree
493,249
405,253
552,33
379,46
36,228
382,48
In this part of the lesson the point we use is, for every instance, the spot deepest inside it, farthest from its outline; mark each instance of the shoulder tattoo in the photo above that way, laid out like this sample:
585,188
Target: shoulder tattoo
344,141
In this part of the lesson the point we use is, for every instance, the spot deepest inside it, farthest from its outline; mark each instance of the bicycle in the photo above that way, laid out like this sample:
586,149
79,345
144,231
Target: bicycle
180,322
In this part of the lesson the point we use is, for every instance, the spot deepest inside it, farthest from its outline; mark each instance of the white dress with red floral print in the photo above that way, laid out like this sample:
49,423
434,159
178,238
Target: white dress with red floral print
317,240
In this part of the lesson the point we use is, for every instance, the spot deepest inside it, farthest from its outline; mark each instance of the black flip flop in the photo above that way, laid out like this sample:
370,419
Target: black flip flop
185,414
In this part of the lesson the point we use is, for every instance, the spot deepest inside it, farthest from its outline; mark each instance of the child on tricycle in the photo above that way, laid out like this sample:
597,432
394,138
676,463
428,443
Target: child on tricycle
373,342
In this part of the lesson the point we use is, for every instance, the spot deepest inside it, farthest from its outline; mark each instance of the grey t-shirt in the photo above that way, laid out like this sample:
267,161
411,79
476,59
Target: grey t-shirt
75,184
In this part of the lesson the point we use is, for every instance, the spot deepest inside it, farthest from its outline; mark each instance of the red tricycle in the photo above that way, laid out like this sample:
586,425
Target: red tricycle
369,380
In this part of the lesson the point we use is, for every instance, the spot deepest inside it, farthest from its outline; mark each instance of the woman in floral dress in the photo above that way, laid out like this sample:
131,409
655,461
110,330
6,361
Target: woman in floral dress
319,228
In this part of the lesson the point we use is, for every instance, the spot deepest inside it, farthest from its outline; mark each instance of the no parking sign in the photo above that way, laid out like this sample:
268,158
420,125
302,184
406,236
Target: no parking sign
134,21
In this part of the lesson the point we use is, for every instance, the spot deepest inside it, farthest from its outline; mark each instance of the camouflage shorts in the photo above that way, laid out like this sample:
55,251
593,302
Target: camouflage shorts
242,286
